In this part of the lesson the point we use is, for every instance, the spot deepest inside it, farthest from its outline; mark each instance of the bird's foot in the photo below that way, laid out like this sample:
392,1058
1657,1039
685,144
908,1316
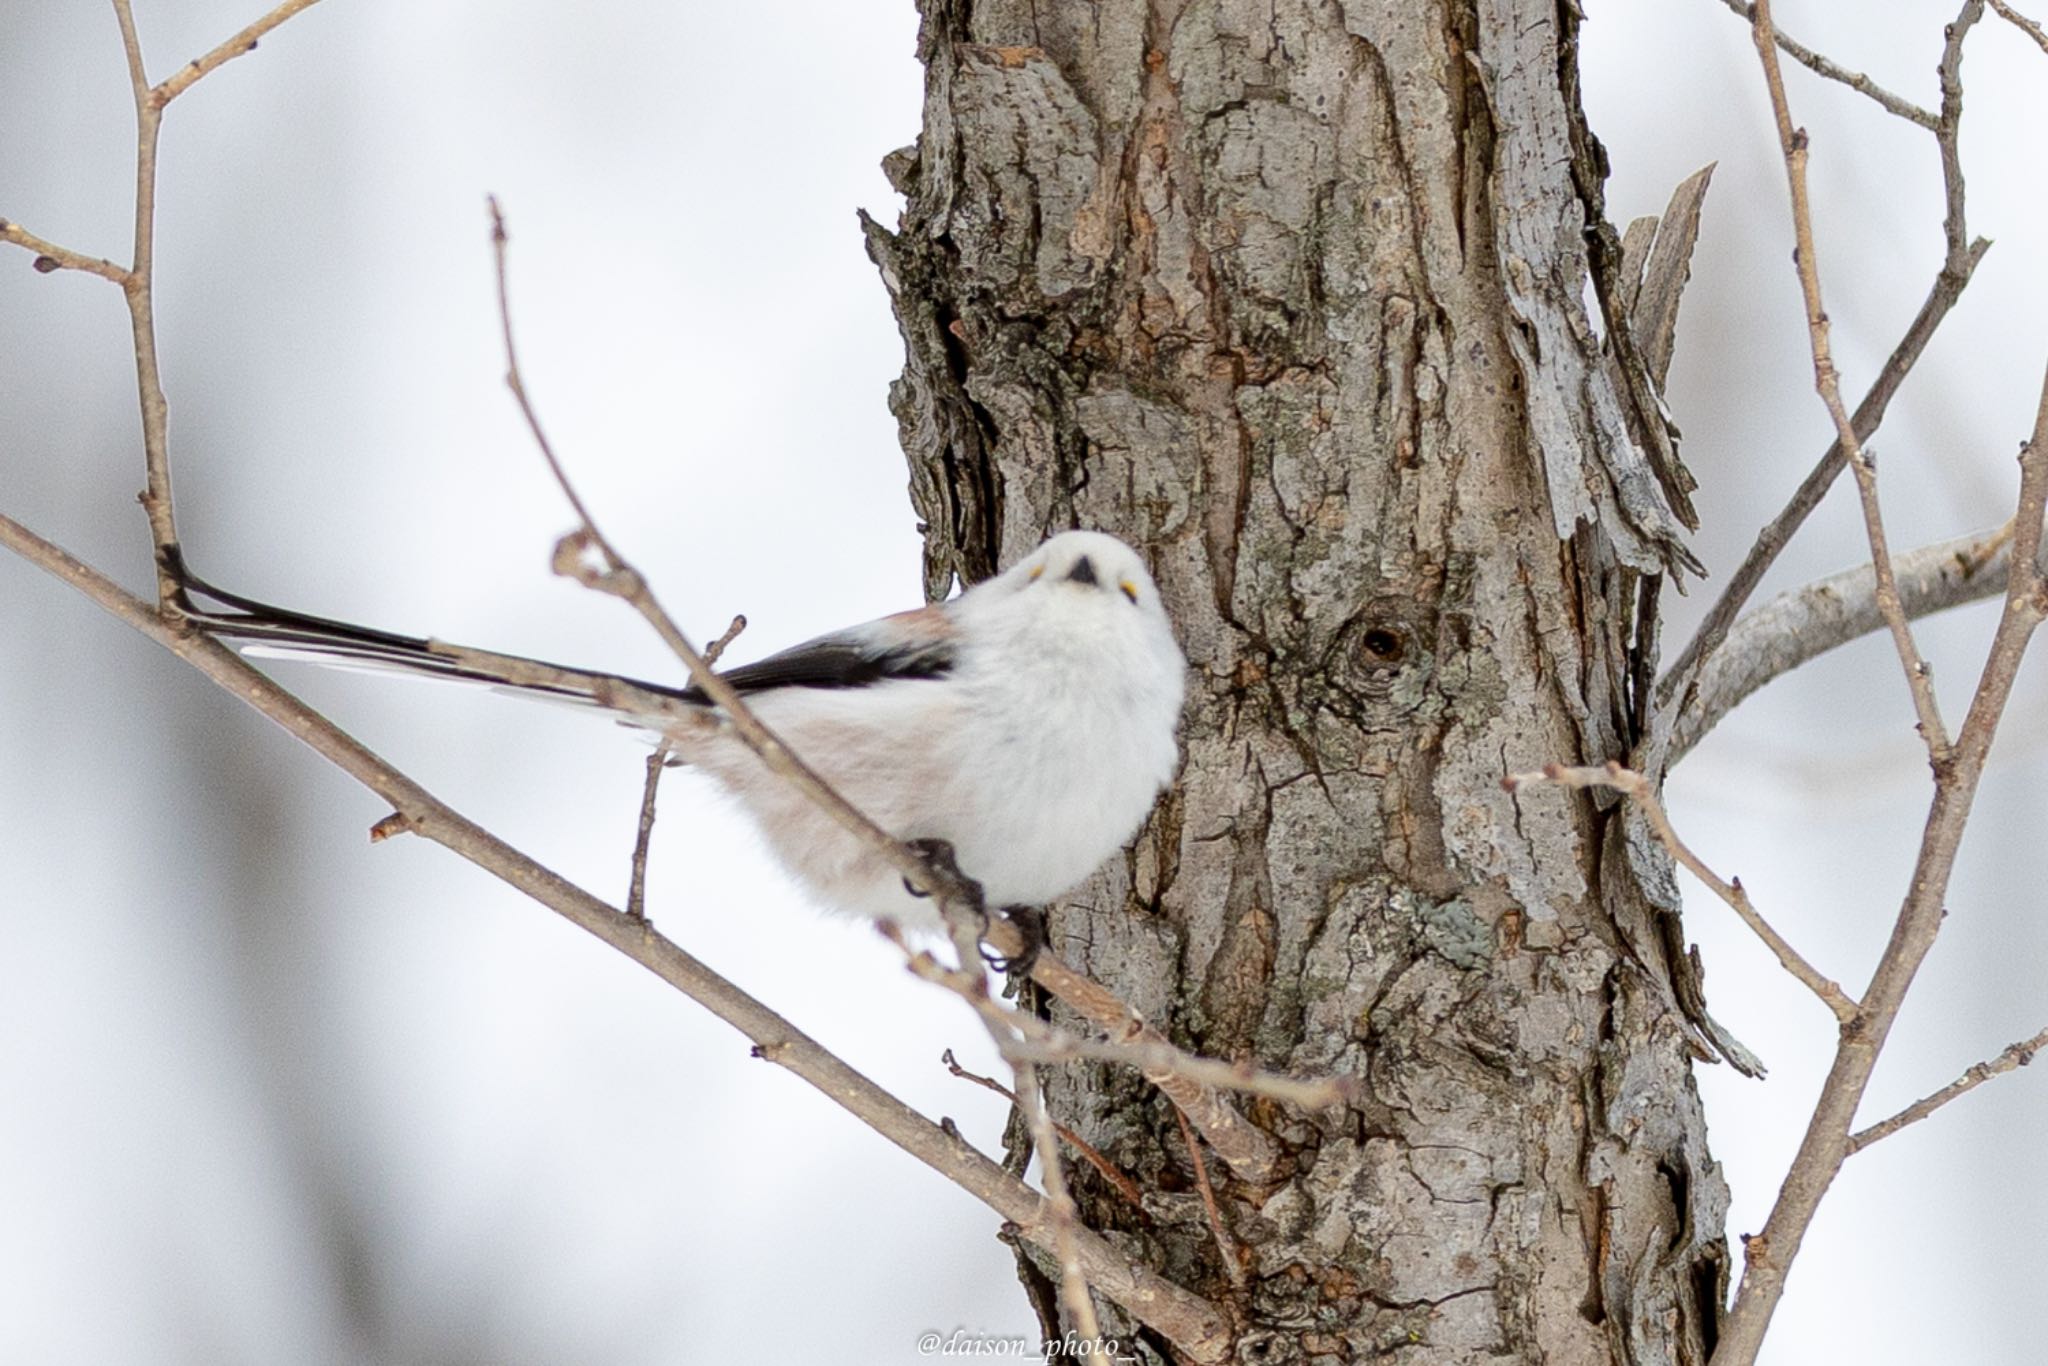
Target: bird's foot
1029,922
938,856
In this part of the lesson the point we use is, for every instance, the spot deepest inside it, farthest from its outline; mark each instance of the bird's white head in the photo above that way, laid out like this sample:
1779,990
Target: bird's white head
1081,598
1091,559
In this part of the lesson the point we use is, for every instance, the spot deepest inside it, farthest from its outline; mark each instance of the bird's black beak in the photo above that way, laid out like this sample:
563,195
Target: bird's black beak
1082,572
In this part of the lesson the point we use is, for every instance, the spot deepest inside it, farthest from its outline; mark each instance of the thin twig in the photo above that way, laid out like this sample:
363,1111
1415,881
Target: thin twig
138,281
1191,1083
2022,23
243,42
1089,1153
717,647
1855,80
636,890
1197,1327
51,257
2015,1056
636,886
1226,1246
138,287
964,926
1075,1296
1793,143
1948,136
1636,787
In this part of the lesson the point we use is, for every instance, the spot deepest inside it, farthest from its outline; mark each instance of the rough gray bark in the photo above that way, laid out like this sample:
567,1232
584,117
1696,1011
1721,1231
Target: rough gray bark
1292,296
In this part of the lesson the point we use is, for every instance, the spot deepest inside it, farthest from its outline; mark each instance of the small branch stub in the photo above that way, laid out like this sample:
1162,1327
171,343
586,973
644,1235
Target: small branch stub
397,823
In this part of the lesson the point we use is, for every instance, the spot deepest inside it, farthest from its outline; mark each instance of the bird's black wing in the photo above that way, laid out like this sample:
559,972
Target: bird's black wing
915,644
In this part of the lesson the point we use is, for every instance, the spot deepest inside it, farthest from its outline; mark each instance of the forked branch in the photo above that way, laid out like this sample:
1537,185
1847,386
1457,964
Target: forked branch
1793,143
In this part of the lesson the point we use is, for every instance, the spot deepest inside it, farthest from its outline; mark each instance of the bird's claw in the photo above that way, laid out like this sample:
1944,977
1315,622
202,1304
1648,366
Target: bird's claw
1030,925
938,856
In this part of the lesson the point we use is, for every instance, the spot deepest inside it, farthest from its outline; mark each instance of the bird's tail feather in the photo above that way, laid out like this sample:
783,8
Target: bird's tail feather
263,631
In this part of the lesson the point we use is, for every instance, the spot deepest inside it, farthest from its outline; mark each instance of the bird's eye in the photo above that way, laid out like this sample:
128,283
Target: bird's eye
1037,572
1130,589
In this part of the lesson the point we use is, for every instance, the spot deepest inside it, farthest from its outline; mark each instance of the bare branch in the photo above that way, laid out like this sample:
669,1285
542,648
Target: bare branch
1193,1324
1855,80
1088,1152
1948,134
1793,143
1066,1216
1808,621
1636,787
1226,1246
636,886
243,42
717,647
1826,1143
51,257
138,287
1190,1082
2015,1056
964,922
636,889
138,281
1679,679
2021,22
1959,263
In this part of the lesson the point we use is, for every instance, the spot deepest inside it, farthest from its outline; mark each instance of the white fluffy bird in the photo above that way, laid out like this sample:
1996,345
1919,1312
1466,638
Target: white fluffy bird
1029,723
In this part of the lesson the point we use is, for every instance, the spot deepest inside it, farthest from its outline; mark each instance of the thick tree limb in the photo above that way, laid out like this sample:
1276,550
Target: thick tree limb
1194,1325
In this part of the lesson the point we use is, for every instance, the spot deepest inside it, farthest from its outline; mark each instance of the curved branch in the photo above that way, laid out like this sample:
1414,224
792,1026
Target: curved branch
1803,623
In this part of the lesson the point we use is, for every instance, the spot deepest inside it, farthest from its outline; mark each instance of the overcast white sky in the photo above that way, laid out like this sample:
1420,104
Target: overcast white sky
273,1094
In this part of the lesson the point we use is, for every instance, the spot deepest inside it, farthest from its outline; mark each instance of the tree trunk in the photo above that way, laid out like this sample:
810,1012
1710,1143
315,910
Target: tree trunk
1291,296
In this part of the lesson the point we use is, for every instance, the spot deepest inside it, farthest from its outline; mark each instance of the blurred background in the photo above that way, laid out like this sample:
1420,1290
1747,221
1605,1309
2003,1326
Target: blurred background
272,1094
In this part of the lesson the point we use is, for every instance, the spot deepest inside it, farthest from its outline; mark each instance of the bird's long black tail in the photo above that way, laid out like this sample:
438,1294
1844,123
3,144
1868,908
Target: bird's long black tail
262,630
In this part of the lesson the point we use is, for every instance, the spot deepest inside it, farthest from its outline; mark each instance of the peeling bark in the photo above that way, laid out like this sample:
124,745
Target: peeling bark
1293,296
